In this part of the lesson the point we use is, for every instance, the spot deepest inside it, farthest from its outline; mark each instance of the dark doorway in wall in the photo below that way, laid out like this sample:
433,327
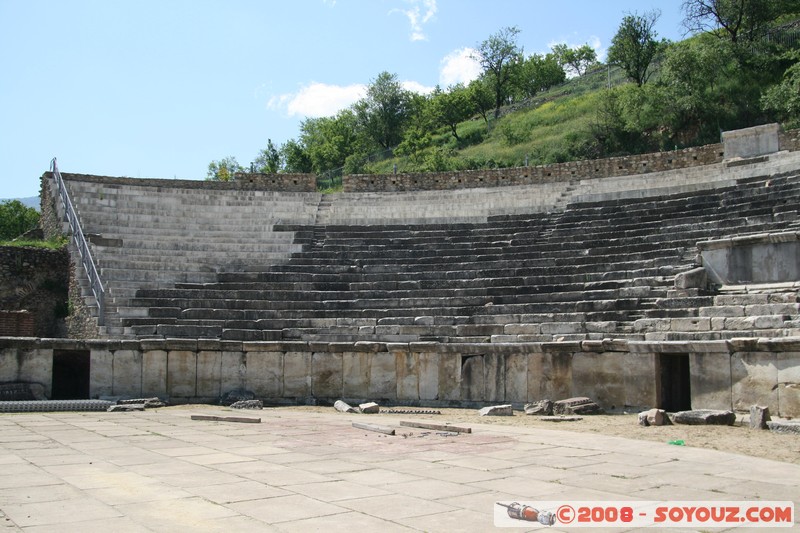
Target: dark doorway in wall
675,392
70,375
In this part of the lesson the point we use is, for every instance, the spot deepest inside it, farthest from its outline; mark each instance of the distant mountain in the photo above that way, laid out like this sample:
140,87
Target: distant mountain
31,201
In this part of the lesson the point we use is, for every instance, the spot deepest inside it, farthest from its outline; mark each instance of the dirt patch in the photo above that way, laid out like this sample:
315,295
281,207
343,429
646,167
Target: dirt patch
738,438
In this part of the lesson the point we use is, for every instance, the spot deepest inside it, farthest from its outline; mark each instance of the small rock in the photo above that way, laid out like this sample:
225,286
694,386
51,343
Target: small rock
653,417
343,407
125,407
540,408
759,416
148,403
784,426
370,408
248,404
577,406
710,417
497,410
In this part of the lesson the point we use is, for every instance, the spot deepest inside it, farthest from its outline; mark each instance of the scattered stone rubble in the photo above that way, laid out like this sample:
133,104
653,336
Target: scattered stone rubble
248,404
236,395
540,408
759,417
580,405
137,404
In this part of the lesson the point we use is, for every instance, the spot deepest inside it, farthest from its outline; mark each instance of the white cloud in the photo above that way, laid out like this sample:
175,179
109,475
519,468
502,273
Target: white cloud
459,67
324,100
318,99
416,87
418,14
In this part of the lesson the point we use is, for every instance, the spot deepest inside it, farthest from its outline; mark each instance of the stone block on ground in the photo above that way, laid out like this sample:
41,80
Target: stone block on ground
369,408
497,410
759,416
784,426
126,407
248,404
148,403
580,405
540,408
653,417
343,407
709,417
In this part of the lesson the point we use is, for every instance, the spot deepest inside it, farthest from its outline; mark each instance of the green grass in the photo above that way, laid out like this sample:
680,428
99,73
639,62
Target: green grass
55,243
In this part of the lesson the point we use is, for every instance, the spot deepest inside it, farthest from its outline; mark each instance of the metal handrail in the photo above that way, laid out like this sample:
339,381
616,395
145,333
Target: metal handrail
81,244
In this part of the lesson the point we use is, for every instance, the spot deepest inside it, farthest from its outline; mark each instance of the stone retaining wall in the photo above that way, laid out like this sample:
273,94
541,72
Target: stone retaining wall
619,375
244,181
558,172
35,280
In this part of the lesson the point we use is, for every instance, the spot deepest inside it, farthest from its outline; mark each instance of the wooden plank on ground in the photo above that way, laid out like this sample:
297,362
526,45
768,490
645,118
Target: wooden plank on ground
213,418
436,427
372,427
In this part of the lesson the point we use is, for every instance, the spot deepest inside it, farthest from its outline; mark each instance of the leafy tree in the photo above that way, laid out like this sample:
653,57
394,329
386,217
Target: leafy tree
452,107
783,99
295,158
223,170
634,46
577,60
383,113
538,73
268,160
499,56
16,218
328,141
480,94
739,20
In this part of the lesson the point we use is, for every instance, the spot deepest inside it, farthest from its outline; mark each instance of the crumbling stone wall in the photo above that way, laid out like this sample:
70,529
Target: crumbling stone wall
34,280
559,172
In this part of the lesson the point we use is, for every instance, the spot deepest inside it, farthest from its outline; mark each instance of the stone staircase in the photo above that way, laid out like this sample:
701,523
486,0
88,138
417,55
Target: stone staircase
602,269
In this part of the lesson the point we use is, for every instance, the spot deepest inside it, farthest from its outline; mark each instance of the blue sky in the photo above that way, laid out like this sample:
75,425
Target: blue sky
161,88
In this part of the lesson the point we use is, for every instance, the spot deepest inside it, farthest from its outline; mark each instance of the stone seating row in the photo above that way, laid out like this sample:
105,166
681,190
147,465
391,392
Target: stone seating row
355,260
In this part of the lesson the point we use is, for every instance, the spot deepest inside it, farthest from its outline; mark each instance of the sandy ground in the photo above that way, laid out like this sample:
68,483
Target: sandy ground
738,438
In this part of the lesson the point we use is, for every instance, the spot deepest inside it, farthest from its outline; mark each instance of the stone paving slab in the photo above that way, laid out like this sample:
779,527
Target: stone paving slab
158,470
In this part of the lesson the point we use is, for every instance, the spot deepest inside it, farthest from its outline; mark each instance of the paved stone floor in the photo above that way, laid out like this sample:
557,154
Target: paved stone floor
160,470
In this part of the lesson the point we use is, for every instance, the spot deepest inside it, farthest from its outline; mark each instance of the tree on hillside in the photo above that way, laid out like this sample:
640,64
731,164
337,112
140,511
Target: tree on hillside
577,60
268,160
634,46
499,55
328,141
783,99
382,114
294,157
223,170
480,94
739,20
538,73
452,107
16,218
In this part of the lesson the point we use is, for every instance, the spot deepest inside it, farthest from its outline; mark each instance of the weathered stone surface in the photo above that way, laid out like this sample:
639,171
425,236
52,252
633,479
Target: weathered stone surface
370,408
343,407
784,426
577,406
653,417
248,404
699,417
540,408
497,410
561,418
695,278
759,416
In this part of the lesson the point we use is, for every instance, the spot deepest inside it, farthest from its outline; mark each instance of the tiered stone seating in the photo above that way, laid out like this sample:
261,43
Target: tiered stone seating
599,269
157,235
